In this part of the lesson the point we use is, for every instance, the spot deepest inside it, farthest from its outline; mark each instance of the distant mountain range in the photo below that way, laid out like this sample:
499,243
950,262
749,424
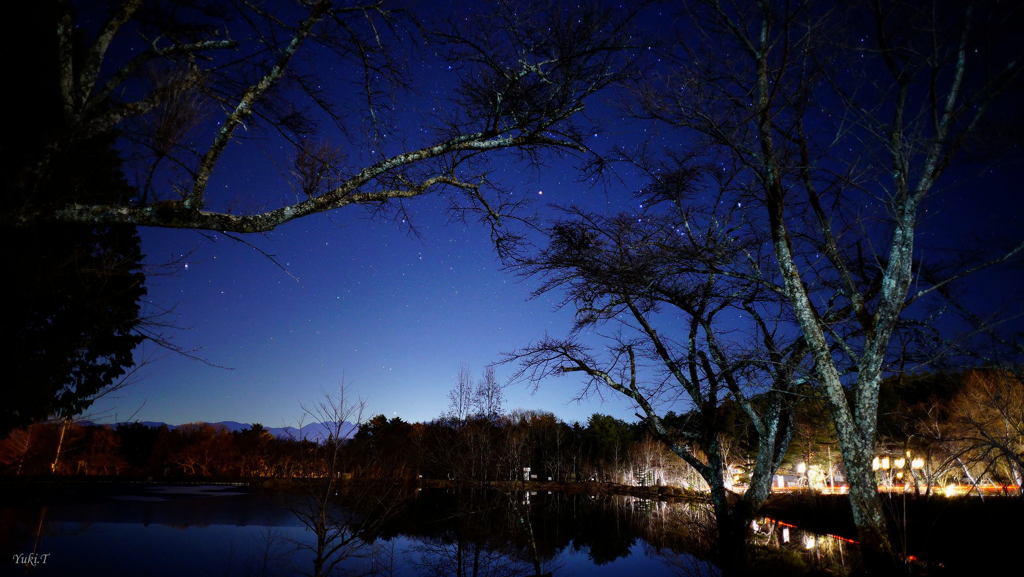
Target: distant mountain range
317,432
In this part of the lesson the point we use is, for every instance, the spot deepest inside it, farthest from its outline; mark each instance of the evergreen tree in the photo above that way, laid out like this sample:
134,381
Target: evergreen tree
74,291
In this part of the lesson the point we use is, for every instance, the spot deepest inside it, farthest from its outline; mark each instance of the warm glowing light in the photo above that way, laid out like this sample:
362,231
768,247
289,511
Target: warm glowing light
899,475
876,464
801,468
809,541
917,463
951,490
885,462
899,462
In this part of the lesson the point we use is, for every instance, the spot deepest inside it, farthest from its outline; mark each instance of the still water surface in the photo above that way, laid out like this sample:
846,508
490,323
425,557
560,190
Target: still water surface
223,531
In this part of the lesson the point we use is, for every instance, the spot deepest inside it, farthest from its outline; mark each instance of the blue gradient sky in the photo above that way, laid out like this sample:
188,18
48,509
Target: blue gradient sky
392,314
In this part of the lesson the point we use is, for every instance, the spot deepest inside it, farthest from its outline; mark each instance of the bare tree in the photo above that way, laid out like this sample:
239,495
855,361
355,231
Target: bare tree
676,335
488,398
473,420
988,423
339,531
184,83
461,396
839,125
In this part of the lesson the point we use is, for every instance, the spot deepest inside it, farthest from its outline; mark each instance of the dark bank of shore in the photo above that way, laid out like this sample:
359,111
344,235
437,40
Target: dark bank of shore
827,513
812,511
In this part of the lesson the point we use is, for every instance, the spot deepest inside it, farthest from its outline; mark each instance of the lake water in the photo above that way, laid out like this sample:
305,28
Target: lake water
224,531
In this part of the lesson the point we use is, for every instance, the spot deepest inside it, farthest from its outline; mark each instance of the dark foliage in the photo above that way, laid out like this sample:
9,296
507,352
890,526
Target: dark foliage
73,297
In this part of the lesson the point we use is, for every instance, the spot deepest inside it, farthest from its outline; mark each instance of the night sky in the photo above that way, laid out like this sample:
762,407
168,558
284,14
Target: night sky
392,315
394,311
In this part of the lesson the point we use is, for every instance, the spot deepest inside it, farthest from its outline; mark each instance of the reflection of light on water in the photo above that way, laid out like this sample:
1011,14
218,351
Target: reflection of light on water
822,550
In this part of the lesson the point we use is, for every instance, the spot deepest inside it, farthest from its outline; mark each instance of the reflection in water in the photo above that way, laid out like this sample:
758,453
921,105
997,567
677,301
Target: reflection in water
824,552
466,558
340,525
479,533
469,533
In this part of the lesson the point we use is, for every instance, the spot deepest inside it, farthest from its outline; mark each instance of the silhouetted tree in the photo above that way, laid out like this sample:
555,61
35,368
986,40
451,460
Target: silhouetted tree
383,447
185,81
339,533
252,446
461,397
488,398
605,443
837,127
679,285
176,85
138,447
73,299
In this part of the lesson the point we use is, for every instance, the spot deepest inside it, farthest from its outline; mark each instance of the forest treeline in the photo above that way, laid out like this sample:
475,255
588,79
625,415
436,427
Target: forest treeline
966,428
497,447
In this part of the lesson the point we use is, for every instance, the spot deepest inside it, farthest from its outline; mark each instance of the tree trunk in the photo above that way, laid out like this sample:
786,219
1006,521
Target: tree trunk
733,530
869,517
60,445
